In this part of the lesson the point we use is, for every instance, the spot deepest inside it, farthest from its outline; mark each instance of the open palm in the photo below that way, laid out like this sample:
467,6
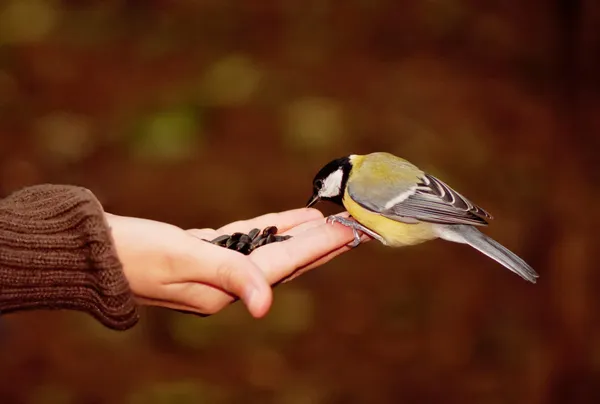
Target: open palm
176,268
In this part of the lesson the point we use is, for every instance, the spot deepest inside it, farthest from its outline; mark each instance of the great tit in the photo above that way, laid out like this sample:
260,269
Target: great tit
393,201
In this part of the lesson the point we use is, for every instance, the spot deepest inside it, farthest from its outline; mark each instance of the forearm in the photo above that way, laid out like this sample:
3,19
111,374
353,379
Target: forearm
56,252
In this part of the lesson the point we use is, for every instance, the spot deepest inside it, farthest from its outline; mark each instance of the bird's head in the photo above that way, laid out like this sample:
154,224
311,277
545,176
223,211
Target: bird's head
330,181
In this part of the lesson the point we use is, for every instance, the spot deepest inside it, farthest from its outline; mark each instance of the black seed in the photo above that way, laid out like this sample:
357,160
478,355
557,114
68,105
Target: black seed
245,249
236,236
270,230
246,243
221,240
253,234
231,243
261,242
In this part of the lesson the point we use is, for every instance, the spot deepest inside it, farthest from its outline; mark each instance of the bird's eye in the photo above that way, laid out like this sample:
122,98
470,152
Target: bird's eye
319,184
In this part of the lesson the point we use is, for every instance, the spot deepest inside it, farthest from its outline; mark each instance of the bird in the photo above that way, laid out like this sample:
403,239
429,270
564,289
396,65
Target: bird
395,202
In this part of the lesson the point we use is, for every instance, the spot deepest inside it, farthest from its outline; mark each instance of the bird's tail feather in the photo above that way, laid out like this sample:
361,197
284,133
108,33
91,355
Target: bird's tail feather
470,235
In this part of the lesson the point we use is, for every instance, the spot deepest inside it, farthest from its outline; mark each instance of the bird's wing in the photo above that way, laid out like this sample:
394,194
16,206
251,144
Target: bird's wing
425,199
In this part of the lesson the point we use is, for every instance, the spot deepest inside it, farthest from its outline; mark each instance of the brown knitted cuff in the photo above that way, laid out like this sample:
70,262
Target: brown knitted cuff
56,252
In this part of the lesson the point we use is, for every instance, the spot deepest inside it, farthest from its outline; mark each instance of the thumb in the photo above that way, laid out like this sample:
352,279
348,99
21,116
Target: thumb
231,272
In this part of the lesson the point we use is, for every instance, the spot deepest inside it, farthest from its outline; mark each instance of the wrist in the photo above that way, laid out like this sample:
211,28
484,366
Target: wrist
140,248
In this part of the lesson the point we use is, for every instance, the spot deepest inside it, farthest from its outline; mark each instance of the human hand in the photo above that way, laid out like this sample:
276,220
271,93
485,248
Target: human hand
171,267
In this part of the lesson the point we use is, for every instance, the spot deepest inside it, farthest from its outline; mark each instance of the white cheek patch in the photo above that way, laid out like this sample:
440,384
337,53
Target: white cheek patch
332,184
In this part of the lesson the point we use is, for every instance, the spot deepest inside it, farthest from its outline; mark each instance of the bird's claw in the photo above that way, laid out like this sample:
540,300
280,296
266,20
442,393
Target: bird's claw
355,226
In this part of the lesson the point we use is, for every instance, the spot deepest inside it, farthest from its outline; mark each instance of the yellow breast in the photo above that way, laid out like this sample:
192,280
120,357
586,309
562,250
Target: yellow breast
395,234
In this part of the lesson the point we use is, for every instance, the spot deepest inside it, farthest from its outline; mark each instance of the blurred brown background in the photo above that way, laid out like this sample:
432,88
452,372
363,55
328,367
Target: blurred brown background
201,112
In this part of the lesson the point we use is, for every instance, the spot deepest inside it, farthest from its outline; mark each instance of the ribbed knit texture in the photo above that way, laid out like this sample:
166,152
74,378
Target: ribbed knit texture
56,252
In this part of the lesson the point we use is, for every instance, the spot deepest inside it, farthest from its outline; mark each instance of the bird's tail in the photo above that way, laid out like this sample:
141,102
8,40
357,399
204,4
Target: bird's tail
472,236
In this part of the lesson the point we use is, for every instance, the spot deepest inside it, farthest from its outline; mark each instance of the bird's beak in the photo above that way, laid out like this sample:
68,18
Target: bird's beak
313,199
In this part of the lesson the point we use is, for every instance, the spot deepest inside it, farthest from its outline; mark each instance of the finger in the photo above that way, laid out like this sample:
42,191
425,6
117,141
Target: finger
283,220
204,234
146,301
192,297
322,260
309,225
279,260
227,270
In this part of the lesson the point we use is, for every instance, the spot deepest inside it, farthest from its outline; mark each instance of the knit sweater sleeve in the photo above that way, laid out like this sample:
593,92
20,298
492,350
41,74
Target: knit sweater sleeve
57,252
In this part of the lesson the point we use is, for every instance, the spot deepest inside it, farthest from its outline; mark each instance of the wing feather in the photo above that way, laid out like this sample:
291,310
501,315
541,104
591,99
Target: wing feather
434,201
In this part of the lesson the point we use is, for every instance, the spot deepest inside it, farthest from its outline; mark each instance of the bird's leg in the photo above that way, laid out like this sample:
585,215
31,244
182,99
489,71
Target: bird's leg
355,226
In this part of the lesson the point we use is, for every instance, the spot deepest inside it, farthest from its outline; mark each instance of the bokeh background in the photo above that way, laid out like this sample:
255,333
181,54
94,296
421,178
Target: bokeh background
201,112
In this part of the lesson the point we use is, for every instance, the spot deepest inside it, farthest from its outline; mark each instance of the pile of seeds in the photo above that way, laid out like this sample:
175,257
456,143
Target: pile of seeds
246,243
